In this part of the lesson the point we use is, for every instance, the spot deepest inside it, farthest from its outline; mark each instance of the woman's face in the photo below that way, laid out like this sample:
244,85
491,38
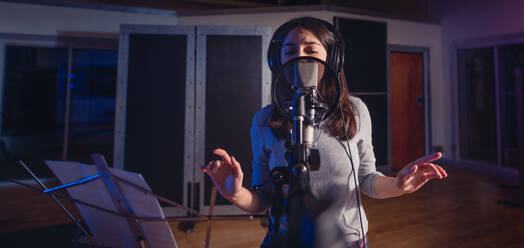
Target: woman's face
301,42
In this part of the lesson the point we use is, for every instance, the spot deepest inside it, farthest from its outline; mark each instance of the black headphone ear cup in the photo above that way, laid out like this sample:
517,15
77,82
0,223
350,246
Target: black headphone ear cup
270,55
273,55
275,61
339,48
336,54
336,57
339,58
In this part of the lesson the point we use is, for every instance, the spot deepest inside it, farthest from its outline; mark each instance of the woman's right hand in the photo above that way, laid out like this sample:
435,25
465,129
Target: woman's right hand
226,174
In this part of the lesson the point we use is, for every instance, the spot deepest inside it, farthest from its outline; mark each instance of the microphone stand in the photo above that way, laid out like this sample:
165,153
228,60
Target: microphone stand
301,158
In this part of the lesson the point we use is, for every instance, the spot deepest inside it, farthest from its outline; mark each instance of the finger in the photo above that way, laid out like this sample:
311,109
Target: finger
442,171
421,179
428,158
430,175
414,170
434,169
410,170
236,166
216,166
223,154
206,167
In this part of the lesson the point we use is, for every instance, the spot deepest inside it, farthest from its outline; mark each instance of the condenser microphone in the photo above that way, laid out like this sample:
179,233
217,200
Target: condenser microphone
310,79
306,75
305,82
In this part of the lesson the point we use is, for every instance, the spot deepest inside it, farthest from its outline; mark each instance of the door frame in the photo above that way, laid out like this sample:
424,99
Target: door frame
427,92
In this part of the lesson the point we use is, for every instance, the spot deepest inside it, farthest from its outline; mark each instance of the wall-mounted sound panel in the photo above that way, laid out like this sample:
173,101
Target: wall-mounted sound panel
365,68
378,110
233,83
155,108
365,64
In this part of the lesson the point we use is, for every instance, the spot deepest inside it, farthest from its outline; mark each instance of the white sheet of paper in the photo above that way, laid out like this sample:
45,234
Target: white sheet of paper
108,229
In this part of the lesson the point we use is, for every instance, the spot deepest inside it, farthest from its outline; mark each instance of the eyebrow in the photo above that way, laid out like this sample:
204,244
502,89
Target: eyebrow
303,42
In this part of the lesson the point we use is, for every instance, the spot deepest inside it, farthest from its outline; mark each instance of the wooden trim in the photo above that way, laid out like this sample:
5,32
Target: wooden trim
494,40
96,6
78,40
302,8
29,181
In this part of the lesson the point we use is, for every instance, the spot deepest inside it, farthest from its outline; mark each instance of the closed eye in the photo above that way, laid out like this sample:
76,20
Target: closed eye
289,51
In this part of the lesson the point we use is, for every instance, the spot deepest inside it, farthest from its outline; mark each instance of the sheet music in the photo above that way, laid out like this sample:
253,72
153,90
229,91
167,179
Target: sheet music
107,229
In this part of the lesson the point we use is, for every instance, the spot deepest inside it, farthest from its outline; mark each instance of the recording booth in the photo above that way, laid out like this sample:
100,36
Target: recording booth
153,87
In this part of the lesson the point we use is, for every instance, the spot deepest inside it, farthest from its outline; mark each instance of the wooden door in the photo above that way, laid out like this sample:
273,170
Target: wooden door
407,107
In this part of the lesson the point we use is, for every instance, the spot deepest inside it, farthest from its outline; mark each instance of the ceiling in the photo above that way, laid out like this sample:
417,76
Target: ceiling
418,9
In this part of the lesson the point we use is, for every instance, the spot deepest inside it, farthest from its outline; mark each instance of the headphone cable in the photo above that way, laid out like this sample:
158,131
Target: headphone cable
357,192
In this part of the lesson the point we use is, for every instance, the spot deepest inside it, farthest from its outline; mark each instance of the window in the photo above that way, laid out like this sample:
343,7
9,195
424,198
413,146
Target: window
35,125
511,70
477,105
491,103
93,90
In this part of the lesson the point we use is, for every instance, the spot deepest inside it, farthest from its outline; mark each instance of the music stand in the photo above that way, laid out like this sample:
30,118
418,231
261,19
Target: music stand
120,210
125,196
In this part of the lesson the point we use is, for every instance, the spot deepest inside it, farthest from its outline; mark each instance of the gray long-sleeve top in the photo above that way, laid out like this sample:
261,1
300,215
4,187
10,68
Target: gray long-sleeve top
335,174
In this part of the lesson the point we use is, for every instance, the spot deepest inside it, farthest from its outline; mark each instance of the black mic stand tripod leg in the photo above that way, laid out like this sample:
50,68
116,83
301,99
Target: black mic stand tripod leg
278,176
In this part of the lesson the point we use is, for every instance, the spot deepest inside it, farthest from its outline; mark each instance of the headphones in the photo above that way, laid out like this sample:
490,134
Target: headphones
335,52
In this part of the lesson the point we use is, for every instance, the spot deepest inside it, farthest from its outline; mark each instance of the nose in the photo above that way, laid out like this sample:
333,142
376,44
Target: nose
301,52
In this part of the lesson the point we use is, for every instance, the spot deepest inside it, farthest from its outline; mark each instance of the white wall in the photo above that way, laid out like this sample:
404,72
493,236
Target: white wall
470,20
460,20
51,20
400,32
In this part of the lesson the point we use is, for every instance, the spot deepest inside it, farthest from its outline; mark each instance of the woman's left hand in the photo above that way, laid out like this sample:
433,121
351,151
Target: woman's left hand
419,172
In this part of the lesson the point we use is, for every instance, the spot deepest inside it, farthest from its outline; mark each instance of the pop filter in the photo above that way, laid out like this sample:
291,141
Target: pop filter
305,73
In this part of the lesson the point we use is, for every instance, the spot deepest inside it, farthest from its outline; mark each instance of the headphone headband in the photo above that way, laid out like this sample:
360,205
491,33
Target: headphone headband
335,52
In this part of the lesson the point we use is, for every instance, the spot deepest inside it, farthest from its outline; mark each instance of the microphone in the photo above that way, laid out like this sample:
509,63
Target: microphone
305,74
307,107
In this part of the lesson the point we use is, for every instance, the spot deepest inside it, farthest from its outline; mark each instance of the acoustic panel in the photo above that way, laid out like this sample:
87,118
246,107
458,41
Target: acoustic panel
365,64
233,95
154,134
378,110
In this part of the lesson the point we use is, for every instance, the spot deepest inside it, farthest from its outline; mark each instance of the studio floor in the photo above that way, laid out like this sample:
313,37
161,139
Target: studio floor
460,211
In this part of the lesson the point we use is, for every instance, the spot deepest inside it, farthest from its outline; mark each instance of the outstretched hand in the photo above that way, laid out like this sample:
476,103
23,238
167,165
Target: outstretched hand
419,172
226,174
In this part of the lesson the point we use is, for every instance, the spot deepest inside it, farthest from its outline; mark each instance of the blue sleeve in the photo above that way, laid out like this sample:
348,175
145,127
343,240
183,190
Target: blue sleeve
259,164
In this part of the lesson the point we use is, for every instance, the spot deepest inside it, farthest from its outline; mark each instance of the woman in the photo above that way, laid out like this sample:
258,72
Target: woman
313,37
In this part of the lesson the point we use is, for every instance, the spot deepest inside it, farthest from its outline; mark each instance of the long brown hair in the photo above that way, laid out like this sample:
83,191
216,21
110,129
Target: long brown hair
336,125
